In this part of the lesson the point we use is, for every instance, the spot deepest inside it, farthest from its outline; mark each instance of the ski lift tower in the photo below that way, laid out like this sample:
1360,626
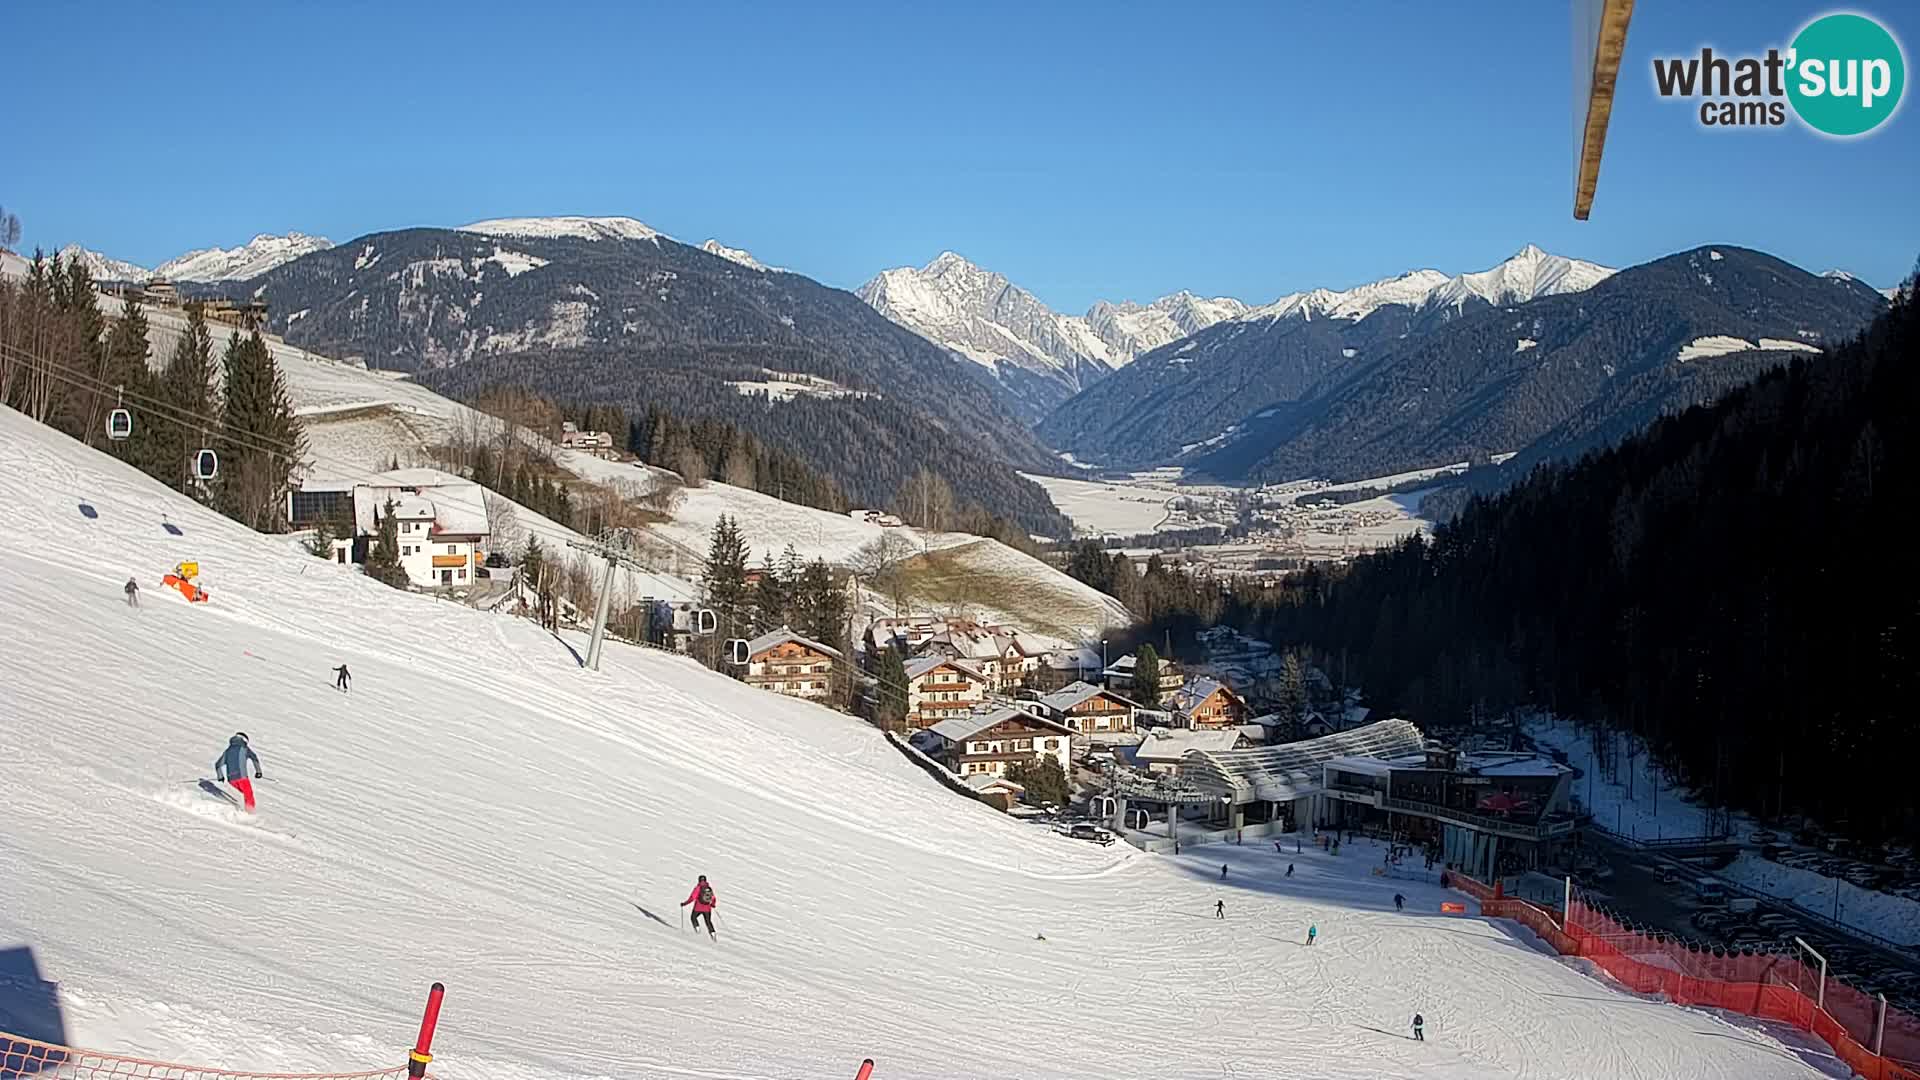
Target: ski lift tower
619,546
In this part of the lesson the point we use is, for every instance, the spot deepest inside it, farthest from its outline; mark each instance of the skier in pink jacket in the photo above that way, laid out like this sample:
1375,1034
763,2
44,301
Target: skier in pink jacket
703,902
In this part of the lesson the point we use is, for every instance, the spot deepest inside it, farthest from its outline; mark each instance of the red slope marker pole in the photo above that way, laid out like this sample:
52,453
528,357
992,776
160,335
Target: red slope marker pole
423,1046
866,1070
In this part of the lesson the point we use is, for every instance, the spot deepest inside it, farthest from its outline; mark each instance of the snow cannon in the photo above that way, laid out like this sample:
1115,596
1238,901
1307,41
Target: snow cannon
182,579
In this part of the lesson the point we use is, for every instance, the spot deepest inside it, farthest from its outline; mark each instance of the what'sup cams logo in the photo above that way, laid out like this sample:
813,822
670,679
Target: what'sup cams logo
1843,76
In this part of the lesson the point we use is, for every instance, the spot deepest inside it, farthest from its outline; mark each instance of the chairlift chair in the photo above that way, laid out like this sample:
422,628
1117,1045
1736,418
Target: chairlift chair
206,464
119,424
737,651
706,622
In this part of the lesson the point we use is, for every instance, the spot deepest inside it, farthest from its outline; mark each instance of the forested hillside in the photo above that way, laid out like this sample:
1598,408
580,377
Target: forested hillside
1732,584
633,319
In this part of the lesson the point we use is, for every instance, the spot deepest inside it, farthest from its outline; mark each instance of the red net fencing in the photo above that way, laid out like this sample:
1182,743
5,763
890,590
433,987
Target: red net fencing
1772,986
29,1059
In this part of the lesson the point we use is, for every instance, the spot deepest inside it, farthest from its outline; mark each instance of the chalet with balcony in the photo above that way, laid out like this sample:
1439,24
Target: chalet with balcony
941,687
786,663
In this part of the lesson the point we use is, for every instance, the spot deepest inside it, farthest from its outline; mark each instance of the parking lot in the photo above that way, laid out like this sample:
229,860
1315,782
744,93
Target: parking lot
1667,895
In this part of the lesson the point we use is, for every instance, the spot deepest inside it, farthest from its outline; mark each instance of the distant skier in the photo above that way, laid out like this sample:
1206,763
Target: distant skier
1289,869
1276,847
1399,902
1223,871
1219,909
133,593
342,677
231,766
703,903
1419,1028
1312,932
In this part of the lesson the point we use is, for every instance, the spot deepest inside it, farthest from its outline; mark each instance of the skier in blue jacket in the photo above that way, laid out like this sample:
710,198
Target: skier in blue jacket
231,766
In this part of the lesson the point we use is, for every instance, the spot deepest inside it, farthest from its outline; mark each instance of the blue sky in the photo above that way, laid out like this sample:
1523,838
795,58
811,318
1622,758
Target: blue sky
1112,150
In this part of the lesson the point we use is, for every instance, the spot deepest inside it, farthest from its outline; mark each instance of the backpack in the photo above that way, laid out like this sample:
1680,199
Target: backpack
706,894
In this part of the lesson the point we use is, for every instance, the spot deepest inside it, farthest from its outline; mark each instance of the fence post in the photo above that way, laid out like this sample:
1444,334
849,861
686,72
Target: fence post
423,1046
1880,1026
1566,911
866,1070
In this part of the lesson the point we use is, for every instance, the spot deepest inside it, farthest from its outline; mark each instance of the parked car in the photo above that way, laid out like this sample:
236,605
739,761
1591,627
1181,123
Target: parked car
1709,891
1088,831
1763,836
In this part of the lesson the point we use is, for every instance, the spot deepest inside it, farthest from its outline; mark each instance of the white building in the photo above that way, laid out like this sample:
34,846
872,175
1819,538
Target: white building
441,524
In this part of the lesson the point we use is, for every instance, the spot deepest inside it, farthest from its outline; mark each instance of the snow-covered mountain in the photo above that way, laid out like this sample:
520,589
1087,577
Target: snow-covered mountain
1038,356
1530,273
738,255
580,228
104,267
249,260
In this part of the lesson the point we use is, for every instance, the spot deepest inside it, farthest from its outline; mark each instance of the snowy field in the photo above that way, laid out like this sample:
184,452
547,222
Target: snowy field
481,811
1098,509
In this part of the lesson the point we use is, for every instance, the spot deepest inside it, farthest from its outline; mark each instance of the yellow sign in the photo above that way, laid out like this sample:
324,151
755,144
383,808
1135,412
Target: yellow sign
188,570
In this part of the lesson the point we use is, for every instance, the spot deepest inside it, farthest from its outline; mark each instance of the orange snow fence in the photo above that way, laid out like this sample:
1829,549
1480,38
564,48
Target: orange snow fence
28,1059
1772,986
1449,907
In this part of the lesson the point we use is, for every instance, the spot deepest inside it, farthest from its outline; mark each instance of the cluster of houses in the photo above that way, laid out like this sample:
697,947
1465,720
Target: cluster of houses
597,443
877,517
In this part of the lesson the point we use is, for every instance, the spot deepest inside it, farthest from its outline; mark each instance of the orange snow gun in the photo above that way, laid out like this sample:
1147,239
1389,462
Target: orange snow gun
1449,907
194,593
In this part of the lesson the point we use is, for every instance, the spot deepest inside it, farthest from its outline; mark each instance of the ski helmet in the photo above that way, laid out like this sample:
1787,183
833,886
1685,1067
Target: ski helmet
241,735
703,877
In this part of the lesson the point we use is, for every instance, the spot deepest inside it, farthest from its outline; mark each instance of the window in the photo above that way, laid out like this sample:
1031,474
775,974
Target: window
462,575
453,549
1023,744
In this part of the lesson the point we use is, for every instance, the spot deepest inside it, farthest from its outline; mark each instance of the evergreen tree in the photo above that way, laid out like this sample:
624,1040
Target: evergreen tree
1045,782
1146,677
772,597
127,352
321,545
890,693
260,442
383,559
1293,694
186,386
726,580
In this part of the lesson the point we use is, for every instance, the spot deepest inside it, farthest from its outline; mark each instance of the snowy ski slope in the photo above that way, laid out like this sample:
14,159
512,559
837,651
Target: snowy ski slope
482,811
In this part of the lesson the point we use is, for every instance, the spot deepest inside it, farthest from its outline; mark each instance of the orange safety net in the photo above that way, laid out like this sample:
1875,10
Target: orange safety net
29,1059
1772,986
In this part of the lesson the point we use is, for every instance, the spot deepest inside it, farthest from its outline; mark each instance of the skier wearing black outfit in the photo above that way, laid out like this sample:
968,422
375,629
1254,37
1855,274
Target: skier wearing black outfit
342,677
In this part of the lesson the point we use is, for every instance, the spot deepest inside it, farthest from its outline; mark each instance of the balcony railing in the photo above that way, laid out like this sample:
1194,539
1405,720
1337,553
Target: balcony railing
1499,826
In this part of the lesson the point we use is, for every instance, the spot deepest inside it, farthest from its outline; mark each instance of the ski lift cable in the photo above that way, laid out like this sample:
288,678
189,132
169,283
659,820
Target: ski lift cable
197,423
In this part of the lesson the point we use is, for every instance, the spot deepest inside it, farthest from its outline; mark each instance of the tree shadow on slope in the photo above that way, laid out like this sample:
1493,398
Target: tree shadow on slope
29,1009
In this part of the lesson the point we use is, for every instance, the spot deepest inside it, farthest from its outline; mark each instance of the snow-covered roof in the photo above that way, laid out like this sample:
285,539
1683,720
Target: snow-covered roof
989,782
1077,693
920,665
1284,772
782,636
458,505
1195,694
960,728
413,508
1171,744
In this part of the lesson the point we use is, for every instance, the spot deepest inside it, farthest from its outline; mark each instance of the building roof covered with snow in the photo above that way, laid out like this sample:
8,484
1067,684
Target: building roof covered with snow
776,638
921,665
1078,693
961,728
1169,745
